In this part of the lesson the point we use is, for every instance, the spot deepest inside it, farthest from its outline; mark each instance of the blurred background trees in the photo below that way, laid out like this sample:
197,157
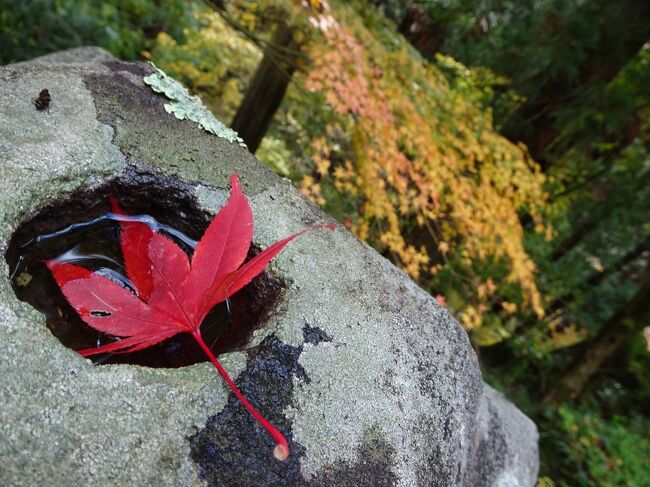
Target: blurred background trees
496,150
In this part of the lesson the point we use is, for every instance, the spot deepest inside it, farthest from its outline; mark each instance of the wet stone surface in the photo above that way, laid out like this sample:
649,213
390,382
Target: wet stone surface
314,335
228,459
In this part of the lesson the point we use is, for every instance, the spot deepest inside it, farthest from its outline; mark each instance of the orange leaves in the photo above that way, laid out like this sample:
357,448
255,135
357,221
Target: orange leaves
432,180
345,74
345,85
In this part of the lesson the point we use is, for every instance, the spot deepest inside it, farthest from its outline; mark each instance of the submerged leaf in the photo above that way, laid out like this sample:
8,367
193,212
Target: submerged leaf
134,240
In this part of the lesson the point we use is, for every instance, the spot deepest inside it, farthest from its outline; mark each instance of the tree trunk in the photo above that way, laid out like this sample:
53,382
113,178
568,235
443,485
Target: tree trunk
267,88
616,332
418,28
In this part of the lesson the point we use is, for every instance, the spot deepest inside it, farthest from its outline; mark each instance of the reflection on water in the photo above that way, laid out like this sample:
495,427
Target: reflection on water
95,245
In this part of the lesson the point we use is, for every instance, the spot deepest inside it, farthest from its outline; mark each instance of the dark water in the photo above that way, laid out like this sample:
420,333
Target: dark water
95,244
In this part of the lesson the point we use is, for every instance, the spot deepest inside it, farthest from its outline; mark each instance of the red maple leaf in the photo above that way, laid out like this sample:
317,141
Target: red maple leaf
173,294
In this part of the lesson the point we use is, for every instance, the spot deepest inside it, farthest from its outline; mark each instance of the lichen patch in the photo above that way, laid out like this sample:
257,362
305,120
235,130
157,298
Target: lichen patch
188,107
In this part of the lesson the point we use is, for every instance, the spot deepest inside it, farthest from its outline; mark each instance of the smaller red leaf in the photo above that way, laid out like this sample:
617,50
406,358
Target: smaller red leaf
109,308
134,240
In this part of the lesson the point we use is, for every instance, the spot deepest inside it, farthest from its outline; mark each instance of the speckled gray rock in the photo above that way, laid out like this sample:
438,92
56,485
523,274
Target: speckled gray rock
370,379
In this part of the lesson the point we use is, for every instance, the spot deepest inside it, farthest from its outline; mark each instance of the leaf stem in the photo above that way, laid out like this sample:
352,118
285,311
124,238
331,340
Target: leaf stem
281,450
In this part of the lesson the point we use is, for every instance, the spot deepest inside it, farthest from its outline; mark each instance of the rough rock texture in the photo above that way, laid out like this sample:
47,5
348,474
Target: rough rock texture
370,379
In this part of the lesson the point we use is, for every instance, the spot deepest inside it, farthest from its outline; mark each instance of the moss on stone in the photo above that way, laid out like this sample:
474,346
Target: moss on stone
148,135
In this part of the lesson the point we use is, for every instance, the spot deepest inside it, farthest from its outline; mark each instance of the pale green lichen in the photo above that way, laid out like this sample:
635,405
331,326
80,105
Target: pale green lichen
185,106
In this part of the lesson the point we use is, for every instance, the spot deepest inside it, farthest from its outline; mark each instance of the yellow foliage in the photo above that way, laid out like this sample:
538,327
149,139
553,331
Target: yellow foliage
311,190
419,152
545,482
471,318
509,307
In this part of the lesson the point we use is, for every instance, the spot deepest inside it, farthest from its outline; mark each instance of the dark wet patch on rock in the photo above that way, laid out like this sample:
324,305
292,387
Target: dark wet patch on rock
124,102
134,68
373,468
233,449
314,335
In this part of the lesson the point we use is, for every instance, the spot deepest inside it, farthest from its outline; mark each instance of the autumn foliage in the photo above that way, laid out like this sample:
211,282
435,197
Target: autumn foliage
432,183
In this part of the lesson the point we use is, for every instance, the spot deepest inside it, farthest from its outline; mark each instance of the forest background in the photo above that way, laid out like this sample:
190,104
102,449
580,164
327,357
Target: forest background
496,150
